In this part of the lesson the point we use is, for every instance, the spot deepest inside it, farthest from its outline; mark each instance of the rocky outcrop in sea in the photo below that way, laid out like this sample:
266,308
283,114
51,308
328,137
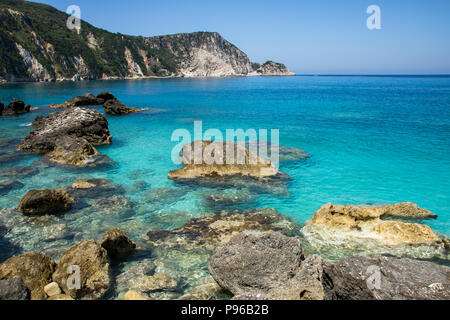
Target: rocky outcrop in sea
68,137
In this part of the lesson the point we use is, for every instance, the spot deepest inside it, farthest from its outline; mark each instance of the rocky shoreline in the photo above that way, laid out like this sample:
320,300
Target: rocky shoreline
385,251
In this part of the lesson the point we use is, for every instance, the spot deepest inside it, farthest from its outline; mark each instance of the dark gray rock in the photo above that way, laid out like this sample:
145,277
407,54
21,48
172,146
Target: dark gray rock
16,107
385,278
10,185
263,264
14,290
19,172
117,108
3,231
105,96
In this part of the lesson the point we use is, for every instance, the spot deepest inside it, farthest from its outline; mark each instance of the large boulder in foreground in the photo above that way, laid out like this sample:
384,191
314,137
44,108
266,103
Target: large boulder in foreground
94,267
373,230
386,278
43,202
259,264
34,269
13,290
68,137
118,245
16,107
207,159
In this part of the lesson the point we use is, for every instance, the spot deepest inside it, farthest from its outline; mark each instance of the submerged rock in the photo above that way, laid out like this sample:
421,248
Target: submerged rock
16,107
118,245
227,199
214,230
94,189
94,268
68,137
19,172
13,290
33,268
155,283
385,278
185,251
133,296
10,185
42,202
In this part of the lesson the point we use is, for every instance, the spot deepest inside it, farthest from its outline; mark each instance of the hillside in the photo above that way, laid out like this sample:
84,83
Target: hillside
36,45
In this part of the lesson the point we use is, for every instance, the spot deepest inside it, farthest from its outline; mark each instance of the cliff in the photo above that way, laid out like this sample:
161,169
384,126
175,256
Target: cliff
36,45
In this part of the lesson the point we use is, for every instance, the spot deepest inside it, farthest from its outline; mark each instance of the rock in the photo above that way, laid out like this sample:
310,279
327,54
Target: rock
19,172
94,189
69,136
52,289
43,202
267,264
311,279
366,222
164,195
34,269
13,290
72,151
244,163
80,184
10,185
271,68
3,231
407,211
156,283
118,245
16,107
117,108
124,281
227,199
286,154
214,230
133,296
80,101
105,96
2,107
206,291
60,297
94,267
386,278
114,203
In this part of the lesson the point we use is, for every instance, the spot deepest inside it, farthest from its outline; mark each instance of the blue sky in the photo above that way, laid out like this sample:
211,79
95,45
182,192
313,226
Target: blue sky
314,36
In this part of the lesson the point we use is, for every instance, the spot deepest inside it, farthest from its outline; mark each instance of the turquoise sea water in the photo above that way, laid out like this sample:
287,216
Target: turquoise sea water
372,140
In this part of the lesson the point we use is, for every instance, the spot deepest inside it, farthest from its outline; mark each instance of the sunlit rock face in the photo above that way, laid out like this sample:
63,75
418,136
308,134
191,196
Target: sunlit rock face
337,231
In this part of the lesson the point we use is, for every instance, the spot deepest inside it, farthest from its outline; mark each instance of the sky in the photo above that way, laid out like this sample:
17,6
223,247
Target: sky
309,36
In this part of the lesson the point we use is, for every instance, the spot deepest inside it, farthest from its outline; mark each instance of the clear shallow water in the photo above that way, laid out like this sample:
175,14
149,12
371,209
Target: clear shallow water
372,139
